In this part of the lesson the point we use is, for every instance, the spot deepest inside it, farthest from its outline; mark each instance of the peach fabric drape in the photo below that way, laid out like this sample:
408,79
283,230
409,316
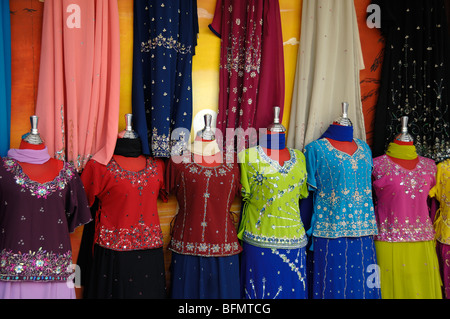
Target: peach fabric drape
79,82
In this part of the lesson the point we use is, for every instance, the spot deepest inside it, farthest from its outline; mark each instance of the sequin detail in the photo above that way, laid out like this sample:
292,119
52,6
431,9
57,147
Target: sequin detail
35,266
401,200
37,189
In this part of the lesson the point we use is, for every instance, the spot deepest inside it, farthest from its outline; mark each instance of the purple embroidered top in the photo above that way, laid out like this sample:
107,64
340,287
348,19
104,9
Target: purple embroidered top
401,195
35,222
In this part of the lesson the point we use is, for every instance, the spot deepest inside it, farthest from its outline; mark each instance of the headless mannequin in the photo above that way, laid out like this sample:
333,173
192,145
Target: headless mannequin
405,163
208,160
282,153
41,173
348,147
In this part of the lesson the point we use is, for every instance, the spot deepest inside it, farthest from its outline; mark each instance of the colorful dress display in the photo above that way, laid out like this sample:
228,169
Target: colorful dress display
165,36
5,76
441,192
128,259
273,258
343,222
328,71
204,244
415,76
251,78
36,219
405,242
79,80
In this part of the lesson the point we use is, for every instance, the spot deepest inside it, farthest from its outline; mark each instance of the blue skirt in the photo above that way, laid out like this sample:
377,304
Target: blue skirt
268,273
197,277
345,268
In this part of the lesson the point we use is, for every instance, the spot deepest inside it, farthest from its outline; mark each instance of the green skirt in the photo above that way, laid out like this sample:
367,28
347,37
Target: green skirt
409,270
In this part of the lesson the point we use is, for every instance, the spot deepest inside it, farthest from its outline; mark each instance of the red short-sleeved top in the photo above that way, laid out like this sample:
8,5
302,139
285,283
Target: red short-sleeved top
127,216
203,225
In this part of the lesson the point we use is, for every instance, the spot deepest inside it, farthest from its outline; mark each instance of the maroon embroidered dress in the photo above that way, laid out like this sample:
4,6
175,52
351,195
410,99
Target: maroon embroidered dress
251,63
203,225
35,222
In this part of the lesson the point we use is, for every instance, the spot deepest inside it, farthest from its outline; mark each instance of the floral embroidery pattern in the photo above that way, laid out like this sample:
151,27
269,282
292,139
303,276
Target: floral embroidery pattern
37,189
139,178
140,236
168,43
35,266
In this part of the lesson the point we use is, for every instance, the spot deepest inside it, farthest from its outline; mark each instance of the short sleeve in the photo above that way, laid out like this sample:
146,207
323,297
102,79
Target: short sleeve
161,168
304,188
311,166
215,25
245,185
170,177
77,209
435,192
92,180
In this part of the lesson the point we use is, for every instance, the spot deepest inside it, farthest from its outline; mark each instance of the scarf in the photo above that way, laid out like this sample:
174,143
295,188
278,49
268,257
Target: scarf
273,141
339,133
406,152
205,148
29,156
128,147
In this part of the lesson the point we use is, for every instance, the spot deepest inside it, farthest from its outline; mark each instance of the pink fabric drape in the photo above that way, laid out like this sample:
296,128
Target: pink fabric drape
79,81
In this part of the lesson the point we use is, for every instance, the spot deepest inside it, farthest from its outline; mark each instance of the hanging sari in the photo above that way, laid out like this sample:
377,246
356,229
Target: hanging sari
79,81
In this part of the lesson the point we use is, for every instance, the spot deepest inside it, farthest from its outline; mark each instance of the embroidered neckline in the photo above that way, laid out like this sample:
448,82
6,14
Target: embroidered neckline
287,165
398,166
135,177
331,147
40,190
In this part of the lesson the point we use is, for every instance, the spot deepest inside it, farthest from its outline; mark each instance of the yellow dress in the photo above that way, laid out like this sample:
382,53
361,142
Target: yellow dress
441,192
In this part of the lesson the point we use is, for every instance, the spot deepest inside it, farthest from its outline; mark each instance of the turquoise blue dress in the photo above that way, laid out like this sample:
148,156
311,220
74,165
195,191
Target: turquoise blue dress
343,222
165,37
5,77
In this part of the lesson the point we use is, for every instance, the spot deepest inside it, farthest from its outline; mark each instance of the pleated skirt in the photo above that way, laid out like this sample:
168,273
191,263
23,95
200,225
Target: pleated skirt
198,277
345,268
409,270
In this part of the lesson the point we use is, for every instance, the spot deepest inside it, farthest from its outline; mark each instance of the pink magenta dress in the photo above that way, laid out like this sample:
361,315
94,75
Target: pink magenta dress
405,242
79,80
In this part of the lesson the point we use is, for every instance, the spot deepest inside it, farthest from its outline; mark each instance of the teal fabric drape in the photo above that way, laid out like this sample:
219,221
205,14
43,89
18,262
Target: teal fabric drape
5,77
